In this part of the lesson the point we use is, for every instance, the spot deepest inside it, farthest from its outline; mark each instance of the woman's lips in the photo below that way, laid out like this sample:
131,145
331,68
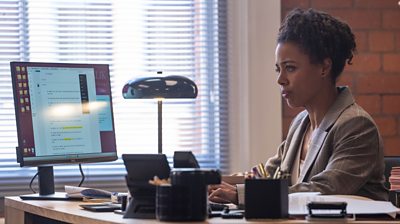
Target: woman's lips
285,94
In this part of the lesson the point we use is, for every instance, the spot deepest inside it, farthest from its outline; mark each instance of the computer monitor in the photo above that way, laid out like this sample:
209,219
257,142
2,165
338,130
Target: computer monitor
63,115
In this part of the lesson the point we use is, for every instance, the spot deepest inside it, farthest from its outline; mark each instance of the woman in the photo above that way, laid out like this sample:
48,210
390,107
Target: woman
333,146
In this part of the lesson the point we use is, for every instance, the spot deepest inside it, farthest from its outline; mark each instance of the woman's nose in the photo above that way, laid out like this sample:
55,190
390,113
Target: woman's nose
281,80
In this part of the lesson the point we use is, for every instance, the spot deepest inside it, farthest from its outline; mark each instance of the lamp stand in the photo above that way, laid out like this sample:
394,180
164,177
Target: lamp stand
159,104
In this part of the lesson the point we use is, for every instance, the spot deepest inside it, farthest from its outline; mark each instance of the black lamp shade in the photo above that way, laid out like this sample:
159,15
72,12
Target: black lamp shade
160,87
157,88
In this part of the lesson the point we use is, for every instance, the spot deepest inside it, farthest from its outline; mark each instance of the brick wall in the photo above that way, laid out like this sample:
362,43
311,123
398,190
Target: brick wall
374,76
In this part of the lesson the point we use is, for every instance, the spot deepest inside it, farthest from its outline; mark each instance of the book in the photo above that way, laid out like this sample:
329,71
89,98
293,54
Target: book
394,179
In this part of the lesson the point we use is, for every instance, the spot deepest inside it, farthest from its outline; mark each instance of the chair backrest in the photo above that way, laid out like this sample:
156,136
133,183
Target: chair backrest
390,161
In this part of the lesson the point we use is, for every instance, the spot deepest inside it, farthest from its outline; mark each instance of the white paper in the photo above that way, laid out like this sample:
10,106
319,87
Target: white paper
80,192
355,204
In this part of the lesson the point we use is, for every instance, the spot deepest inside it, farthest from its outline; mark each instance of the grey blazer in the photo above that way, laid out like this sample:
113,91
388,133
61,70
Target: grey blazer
345,155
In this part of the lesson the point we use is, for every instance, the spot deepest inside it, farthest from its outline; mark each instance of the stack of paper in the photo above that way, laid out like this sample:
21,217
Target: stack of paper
394,179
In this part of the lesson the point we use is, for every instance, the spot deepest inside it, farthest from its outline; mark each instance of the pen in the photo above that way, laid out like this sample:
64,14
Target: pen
256,173
277,173
262,170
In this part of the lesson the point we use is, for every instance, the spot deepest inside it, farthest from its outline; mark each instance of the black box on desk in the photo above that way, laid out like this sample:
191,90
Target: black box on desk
185,199
266,198
181,203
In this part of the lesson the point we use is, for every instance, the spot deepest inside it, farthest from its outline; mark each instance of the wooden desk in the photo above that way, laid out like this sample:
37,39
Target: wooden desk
28,212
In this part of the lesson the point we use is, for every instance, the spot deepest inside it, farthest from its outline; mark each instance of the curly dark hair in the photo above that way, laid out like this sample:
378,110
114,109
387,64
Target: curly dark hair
320,36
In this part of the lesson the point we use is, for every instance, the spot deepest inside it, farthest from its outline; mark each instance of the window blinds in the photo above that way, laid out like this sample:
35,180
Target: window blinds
136,38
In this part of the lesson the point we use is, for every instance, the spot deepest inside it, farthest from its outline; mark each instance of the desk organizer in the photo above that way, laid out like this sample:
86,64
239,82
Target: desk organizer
180,203
266,198
185,199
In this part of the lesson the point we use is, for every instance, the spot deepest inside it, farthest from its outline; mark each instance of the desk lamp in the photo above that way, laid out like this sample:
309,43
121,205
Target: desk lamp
169,87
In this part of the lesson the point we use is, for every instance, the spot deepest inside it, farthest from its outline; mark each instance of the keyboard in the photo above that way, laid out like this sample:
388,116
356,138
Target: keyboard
217,206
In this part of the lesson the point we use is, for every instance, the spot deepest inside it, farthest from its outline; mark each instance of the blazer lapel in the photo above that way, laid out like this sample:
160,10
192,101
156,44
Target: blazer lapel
288,161
318,137
344,100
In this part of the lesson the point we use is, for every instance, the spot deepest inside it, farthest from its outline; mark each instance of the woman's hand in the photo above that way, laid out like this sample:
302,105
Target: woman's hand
223,193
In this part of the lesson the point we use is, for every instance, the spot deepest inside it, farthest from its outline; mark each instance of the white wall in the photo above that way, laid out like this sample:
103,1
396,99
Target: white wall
255,103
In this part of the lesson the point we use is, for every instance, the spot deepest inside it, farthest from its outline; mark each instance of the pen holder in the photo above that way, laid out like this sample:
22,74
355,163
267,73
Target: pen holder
266,198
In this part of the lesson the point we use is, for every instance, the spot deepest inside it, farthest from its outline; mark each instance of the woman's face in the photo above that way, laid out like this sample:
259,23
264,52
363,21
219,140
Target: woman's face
300,81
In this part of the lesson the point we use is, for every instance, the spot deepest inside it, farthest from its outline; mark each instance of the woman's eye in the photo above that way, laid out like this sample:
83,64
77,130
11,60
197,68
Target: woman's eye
290,68
277,70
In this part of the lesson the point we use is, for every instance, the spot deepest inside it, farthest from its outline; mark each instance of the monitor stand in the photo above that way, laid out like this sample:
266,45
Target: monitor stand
46,187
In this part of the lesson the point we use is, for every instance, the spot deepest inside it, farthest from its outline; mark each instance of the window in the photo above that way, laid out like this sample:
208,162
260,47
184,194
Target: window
137,38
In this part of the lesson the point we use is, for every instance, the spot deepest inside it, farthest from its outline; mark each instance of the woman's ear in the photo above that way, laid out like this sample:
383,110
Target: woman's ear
326,67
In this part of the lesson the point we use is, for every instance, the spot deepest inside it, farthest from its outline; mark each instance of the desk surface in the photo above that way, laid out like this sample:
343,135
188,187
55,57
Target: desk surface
70,212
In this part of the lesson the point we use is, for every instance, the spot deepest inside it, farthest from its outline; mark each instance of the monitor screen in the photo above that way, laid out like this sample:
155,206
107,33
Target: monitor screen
63,113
